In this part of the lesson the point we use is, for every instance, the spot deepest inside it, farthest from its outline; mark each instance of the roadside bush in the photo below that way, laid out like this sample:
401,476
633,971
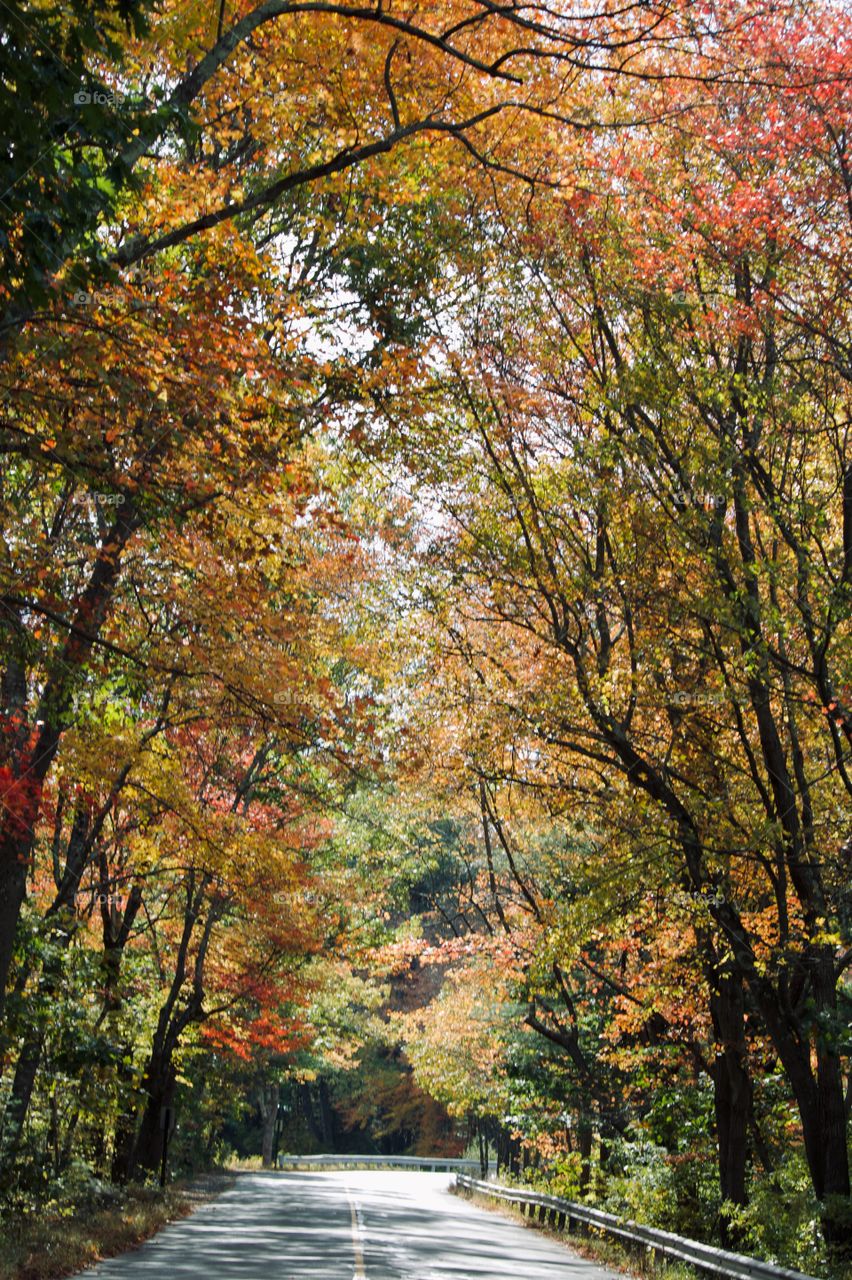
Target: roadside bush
781,1221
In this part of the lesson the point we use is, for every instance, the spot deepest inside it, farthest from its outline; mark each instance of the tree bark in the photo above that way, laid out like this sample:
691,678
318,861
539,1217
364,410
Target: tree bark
732,1091
159,1086
306,1102
585,1137
268,1096
329,1136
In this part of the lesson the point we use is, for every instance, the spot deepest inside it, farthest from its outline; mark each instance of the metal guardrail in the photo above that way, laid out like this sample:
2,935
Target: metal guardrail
562,1213
434,1164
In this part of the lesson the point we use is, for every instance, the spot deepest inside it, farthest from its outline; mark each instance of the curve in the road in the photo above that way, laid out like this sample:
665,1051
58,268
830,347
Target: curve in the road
347,1226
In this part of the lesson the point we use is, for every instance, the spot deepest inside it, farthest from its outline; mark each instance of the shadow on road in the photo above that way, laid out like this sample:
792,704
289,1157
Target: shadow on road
346,1226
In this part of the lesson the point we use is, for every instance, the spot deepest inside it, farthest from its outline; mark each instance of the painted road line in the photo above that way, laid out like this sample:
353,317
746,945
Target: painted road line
360,1273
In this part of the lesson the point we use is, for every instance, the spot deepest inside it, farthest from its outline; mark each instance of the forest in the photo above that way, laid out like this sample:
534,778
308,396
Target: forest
426,599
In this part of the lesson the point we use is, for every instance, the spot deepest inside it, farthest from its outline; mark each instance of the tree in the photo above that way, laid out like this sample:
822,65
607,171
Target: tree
644,551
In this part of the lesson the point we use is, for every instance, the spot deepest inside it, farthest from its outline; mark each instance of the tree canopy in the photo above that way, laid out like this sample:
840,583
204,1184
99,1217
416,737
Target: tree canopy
425,595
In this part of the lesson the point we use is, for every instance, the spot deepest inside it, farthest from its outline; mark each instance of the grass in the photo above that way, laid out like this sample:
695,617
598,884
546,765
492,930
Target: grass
247,1164
49,1246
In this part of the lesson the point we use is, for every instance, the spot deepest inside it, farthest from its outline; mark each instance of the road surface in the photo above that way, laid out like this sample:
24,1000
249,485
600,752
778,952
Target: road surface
375,1225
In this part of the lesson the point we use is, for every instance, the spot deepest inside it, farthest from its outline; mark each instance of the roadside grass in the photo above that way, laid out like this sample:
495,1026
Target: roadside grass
597,1248
51,1244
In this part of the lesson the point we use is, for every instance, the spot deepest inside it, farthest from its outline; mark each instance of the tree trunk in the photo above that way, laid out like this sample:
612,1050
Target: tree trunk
28,763
14,855
732,1090
822,1111
22,800
326,1116
116,933
267,1100
29,1059
483,1153
585,1137
831,1116
819,1096
21,1093
307,1104
139,1142
159,1086
122,1149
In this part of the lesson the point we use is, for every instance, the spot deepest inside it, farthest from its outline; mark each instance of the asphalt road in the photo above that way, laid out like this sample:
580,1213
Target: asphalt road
374,1225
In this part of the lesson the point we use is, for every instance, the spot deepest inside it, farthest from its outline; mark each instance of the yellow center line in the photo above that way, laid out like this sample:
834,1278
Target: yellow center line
360,1273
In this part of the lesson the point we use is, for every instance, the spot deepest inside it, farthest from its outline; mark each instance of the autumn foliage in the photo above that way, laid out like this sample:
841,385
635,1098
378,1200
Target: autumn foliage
425,594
